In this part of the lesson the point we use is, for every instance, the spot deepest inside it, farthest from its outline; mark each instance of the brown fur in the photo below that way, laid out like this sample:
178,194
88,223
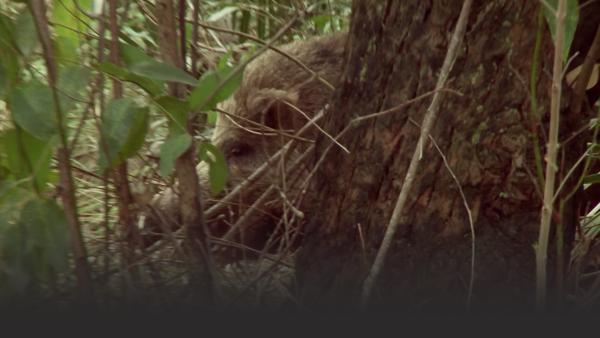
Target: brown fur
268,81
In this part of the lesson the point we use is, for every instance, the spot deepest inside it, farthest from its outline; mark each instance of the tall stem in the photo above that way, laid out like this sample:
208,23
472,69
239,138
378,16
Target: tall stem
551,167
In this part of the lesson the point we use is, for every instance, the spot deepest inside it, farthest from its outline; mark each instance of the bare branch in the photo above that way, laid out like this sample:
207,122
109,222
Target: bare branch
471,224
82,270
273,48
428,121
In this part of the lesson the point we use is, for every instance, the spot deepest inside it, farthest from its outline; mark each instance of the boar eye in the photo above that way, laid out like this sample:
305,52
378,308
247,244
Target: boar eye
239,150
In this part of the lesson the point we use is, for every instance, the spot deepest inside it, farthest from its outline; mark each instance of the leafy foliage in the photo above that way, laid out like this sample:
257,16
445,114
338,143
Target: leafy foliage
103,130
32,109
571,20
214,87
123,130
26,158
173,147
36,248
217,166
71,22
9,64
143,65
151,87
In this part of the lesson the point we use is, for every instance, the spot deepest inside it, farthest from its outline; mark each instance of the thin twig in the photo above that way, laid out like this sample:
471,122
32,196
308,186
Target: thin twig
428,121
357,121
570,172
261,128
82,269
318,127
194,55
240,67
404,104
259,202
273,48
215,209
471,224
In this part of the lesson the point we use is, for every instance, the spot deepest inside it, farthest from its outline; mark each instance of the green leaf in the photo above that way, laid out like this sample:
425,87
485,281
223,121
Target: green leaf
570,22
71,22
136,34
141,64
590,223
5,78
123,131
25,33
12,199
9,62
592,179
36,248
173,147
26,156
72,83
47,233
32,108
320,21
151,87
66,49
209,86
162,72
217,166
211,118
132,55
226,59
7,28
32,104
7,34
177,111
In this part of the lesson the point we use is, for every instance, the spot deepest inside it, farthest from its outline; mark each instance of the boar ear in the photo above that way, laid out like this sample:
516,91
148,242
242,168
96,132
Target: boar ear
271,108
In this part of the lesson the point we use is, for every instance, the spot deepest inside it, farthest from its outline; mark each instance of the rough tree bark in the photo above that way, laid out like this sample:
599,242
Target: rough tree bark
394,53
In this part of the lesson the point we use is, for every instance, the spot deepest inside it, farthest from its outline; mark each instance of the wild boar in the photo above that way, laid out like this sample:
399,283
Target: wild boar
280,92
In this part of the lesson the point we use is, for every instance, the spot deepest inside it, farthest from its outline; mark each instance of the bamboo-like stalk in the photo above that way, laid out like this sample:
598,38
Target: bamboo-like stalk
551,154
535,115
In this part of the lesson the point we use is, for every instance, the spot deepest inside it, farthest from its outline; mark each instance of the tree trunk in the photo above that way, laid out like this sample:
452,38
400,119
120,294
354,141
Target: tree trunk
394,53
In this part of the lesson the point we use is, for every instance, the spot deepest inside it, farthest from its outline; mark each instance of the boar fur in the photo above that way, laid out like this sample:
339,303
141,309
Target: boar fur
248,133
